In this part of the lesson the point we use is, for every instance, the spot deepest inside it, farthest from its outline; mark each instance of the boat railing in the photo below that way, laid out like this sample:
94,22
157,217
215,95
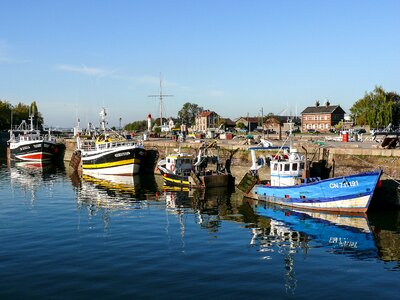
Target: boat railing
30,137
117,144
88,145
50,138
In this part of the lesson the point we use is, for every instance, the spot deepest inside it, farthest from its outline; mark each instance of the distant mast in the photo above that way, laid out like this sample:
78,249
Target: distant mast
149,123
161,95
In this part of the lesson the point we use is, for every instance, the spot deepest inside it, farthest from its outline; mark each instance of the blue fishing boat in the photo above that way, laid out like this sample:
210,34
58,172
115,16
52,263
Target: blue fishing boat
290,184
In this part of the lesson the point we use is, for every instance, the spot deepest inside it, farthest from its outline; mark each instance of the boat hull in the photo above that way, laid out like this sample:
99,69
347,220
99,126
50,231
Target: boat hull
206,181
348,193
175,180
123,161
34,151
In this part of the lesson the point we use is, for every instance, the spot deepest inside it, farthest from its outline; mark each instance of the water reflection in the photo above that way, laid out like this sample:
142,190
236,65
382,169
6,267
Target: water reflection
209,206
30,177
337,233
361,236
287,232
113,192
385,226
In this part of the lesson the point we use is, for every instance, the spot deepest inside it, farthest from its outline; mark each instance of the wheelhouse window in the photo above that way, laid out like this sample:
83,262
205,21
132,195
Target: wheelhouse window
294,167
287,167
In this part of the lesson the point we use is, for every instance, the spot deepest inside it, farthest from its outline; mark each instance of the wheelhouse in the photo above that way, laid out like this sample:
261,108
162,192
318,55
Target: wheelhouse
179,164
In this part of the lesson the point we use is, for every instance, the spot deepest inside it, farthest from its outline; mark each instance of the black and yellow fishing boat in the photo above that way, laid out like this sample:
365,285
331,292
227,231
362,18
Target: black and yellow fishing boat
183,169
110,153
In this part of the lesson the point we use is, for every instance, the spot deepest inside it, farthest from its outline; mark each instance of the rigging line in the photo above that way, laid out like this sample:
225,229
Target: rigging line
388,175
372,165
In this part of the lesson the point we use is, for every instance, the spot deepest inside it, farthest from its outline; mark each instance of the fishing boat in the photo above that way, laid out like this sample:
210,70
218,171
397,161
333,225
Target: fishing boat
108,153
290,184
183,169
27,144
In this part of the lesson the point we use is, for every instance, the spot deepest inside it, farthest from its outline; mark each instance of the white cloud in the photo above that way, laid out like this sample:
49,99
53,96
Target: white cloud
86,70
5,57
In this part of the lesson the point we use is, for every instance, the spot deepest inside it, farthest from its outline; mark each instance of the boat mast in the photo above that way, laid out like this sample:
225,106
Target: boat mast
11,129
290,122
161,95
31,118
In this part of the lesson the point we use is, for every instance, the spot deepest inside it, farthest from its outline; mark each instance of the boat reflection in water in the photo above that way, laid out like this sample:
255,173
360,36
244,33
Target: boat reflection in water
30,177
338,233
114,191
289,231
208,206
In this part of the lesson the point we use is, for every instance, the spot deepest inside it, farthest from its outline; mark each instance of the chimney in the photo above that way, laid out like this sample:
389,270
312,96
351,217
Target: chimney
327,103
317,103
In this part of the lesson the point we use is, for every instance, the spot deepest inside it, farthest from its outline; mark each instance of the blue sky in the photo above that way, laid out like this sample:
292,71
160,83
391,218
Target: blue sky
231,56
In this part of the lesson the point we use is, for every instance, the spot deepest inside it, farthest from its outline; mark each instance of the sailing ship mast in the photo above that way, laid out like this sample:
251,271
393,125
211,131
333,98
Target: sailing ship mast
161,95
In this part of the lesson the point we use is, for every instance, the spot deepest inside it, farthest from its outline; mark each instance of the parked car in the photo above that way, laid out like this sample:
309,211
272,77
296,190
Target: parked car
270,131
312,131
359,131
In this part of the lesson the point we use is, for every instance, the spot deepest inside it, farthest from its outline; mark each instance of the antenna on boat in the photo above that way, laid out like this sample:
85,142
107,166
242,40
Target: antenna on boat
161,95
103,121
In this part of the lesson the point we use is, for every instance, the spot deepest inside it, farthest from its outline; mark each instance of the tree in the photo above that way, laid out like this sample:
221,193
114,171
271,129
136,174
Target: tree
222,123
136,126
377,108
5,115
37,116
189,112
19,113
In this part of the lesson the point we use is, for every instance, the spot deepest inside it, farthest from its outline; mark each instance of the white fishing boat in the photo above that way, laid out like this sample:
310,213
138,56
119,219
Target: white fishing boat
27,144
109,153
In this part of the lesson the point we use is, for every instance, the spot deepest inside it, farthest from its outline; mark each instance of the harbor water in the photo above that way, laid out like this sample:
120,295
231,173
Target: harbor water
66,236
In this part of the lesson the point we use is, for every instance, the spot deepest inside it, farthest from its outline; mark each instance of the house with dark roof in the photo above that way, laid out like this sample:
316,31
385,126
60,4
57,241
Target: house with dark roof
250,123
228,124
321,117
281,123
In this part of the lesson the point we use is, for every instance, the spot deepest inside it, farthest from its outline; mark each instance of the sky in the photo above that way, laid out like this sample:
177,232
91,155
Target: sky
235,57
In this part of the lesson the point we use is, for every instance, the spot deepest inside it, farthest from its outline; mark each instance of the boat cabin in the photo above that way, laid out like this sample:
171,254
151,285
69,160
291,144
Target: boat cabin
179,163
287,171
